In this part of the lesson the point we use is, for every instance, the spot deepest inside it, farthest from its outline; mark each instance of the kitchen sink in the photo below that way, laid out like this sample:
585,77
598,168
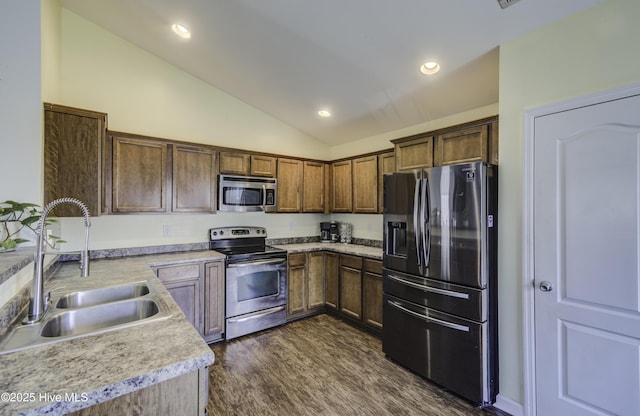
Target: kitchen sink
88,312
95,318
92,297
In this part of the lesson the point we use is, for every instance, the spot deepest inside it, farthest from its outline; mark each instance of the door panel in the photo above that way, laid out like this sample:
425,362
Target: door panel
586,245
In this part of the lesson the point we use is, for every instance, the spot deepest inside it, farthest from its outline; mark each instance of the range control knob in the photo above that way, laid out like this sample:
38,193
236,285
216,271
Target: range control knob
221,232
214,233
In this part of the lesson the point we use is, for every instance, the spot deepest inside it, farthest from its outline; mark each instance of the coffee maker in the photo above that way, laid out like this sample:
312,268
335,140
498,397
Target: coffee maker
329,232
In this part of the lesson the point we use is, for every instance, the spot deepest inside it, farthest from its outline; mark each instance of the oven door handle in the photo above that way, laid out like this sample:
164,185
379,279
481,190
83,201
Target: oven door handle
257,315
257,263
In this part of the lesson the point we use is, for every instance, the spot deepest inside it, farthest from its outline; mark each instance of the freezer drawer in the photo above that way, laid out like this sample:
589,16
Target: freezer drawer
447,350
458,300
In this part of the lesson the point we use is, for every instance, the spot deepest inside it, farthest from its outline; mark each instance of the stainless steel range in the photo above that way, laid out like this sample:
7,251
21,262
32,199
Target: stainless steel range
256,279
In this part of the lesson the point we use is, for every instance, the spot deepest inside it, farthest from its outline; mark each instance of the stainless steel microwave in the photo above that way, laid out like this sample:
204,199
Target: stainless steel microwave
246,193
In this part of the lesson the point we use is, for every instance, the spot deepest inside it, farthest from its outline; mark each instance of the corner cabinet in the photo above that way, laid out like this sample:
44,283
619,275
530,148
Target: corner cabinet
73,157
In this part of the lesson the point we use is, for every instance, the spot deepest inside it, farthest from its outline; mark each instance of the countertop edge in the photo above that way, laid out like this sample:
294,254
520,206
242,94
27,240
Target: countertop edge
352,249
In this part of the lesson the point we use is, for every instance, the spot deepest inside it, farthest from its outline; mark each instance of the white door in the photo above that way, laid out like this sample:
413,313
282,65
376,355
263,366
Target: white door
587,260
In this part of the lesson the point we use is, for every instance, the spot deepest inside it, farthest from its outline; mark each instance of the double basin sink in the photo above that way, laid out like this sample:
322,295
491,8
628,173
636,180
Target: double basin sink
87,312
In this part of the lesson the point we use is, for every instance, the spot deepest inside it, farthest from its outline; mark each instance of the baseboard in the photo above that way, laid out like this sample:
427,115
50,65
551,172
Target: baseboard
507,405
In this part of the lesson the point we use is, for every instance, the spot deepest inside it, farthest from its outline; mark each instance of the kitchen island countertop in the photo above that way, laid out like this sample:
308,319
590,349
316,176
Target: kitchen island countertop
65,376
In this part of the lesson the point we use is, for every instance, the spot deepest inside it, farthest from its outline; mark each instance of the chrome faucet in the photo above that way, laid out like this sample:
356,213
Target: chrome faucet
37,300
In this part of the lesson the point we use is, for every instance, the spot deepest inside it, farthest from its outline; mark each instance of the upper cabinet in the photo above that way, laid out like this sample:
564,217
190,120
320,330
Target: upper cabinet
386,164
365,184
193,179
73,142
315,186
469,142
289,197
243,164
139,175
342,189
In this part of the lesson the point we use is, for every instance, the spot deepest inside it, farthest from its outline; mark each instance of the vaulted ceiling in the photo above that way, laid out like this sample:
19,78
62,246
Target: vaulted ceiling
358,58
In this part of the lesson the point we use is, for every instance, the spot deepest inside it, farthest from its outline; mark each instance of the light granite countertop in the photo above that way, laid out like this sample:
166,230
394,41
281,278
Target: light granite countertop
353,249
101,367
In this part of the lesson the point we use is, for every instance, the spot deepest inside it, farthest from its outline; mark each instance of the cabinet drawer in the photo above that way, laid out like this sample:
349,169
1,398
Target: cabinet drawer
351,261
296,260
373,266
179,272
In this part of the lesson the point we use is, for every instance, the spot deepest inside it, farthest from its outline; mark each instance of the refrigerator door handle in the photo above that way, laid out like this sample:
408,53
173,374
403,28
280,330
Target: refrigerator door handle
424,288
428,318
416,227
425,222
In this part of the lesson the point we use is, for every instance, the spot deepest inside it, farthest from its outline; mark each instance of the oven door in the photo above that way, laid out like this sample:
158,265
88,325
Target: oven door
256,284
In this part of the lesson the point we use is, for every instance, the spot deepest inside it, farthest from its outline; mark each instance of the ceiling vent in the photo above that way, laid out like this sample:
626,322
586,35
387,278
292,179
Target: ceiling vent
506,3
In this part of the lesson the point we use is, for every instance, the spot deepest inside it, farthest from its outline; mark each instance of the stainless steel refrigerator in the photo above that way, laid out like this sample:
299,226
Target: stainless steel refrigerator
439,278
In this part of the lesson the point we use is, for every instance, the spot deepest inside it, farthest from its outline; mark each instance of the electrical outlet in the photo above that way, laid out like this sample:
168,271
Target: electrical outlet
166,230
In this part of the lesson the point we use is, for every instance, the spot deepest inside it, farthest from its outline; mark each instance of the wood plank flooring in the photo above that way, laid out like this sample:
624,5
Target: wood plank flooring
321,366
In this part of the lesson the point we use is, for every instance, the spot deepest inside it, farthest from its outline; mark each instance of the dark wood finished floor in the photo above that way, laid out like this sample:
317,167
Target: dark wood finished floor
321,366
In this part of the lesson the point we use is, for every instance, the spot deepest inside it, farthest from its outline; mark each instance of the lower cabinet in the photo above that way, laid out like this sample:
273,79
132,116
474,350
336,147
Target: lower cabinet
198,289
332,280
372,294
183,395
305,284
351,286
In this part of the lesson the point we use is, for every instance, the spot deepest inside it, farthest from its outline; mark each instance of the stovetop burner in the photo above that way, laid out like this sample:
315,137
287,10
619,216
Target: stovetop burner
242,242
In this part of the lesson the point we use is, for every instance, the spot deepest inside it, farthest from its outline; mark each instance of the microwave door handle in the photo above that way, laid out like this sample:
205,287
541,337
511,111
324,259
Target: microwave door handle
416,225
264,197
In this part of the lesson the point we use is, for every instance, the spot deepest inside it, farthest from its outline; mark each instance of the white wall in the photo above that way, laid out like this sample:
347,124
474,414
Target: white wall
20,102
592,51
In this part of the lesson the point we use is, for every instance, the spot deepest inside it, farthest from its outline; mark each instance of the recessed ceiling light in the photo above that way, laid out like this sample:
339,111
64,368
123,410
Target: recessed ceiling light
430,68
324,113
181,30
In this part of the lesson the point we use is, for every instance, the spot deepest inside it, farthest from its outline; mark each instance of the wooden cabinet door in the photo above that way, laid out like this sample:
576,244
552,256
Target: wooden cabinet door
235,163
342,189
194,179
289,185
214,298
332,280
296,277
314,187
462,146
263,166
386,164
315,280
372,294
351,286
139,180
365,184
415,153
184,283
73,152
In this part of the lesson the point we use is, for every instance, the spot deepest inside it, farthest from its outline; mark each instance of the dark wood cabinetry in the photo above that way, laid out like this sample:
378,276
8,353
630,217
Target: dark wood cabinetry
342,186
332,280
193,179
314,179
468,142
139,177
214,295
73,157
305,284
386,164
365,184
372,294
198,289
184,283
290,180
351,286
239,163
